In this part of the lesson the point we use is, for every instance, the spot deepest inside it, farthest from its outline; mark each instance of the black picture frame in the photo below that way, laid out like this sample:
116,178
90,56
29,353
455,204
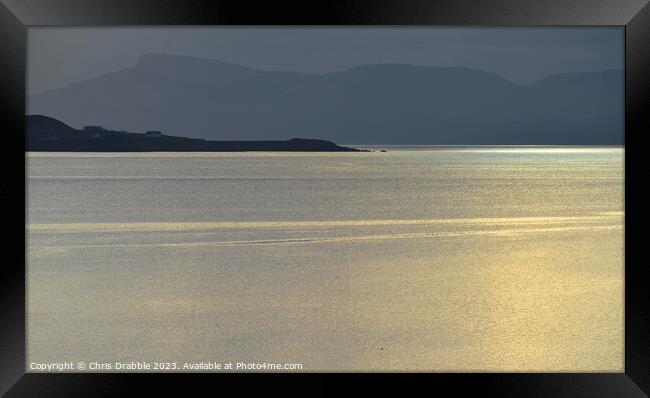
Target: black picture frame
17,15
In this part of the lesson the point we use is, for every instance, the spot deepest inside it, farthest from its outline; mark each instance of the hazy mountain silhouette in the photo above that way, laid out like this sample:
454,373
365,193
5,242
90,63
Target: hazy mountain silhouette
383,104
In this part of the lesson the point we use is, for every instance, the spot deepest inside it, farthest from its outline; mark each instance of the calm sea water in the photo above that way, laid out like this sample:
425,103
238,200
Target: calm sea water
440,259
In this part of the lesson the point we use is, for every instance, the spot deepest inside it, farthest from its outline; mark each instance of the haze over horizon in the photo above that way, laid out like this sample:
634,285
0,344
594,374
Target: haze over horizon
60,56
362,85
154,54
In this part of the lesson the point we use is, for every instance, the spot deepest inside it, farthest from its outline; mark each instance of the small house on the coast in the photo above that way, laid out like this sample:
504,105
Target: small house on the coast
94,131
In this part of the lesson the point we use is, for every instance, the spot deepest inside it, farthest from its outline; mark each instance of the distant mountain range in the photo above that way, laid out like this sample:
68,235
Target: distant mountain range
374,104
48,134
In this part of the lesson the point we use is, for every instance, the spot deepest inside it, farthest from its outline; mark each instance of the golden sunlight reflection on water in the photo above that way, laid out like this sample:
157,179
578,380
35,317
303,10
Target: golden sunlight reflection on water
406,260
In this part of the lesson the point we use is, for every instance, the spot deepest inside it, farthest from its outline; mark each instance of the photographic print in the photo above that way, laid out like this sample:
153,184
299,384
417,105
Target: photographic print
325,199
